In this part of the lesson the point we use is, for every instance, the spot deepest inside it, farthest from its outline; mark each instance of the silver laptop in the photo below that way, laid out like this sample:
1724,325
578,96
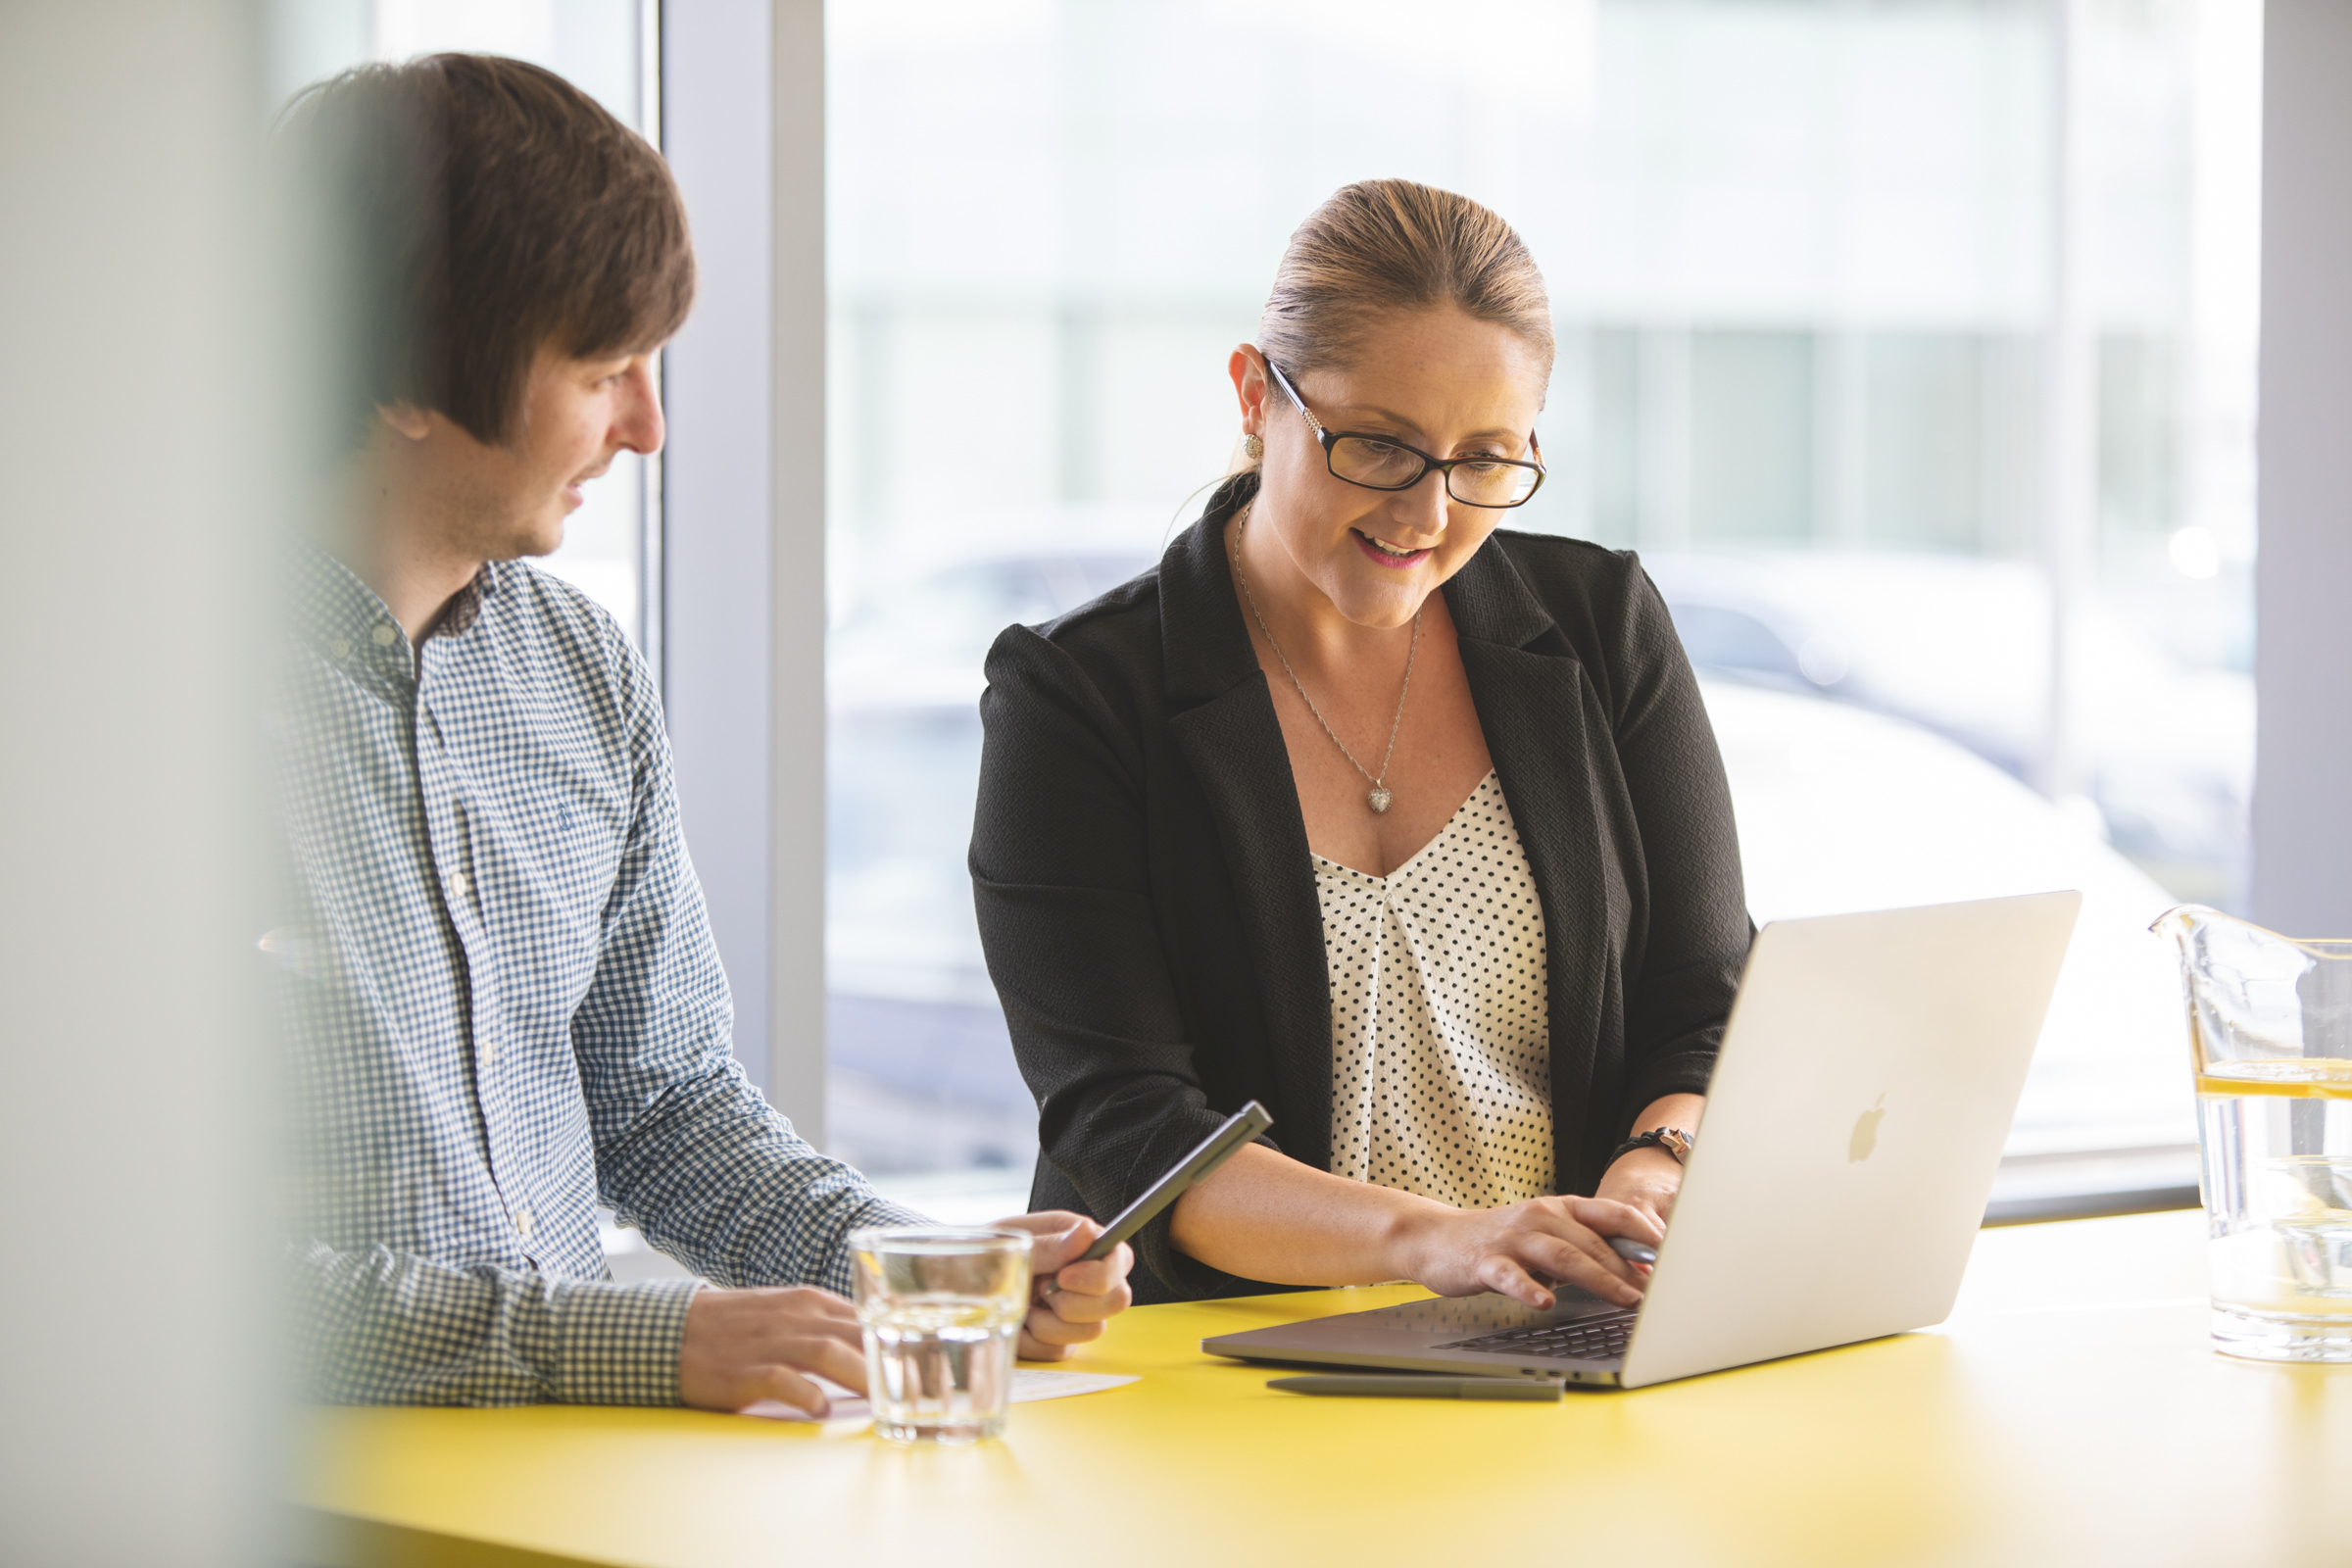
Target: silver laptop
1855,1124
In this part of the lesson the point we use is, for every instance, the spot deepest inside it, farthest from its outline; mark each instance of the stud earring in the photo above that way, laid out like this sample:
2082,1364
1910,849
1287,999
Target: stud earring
1252,447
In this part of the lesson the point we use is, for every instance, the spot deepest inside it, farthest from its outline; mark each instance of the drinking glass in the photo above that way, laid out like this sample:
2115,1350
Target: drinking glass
2271,1024
942,1307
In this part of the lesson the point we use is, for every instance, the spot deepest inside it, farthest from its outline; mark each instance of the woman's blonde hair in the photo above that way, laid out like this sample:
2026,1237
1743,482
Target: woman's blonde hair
1385,245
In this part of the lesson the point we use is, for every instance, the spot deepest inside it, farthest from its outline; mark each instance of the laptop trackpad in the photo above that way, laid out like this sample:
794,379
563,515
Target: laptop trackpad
1463,1317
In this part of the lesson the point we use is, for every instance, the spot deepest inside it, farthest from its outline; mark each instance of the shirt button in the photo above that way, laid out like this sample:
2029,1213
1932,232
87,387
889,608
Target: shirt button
522,1222
460,884
339,647
490,1054
384,636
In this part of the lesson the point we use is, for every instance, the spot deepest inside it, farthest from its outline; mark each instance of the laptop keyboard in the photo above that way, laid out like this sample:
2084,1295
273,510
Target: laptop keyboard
1588,1338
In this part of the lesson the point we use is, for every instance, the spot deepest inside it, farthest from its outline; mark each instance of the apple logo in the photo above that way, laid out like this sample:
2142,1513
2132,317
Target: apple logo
1866,1132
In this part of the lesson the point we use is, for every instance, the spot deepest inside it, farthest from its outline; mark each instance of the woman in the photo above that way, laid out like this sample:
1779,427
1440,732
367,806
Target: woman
1412,829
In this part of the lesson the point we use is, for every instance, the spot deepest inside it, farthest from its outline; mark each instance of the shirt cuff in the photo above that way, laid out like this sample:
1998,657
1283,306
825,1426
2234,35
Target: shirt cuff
837,1272
618,1344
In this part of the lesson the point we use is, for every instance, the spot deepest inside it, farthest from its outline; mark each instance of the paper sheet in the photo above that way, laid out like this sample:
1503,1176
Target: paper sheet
1028,1384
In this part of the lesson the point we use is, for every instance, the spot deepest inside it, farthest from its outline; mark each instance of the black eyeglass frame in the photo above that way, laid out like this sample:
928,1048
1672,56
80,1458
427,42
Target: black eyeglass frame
1330,439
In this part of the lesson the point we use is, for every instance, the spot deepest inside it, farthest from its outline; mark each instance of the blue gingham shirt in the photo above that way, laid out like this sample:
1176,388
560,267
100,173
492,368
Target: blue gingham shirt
503,1002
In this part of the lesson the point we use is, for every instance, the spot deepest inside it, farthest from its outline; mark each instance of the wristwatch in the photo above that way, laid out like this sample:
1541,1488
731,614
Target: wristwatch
1673,1140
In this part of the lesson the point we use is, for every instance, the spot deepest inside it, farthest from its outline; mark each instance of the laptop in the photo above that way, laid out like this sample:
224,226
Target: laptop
1853,1128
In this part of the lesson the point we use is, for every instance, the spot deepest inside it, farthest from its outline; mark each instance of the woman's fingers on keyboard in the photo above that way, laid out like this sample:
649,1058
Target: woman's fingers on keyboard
1612,1218
1502,1273
1582,1259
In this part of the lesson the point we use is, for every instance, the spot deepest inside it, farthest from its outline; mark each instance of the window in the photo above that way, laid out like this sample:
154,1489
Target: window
612,545
1802,255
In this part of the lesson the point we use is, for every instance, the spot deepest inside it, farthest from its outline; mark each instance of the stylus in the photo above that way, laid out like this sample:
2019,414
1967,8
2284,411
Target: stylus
1633,1251
1421,1386
1213,1151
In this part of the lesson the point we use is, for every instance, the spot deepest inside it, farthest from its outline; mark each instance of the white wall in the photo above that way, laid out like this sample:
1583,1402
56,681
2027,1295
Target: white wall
2303,577
132,437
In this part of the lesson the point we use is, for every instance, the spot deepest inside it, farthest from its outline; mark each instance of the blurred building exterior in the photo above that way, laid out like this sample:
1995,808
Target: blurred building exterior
1910,341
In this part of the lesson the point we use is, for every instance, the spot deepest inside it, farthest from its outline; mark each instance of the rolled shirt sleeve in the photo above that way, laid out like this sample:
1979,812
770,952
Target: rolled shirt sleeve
687,1147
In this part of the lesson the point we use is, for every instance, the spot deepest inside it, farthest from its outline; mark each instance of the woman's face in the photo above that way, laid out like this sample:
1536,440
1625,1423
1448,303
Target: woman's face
1438,381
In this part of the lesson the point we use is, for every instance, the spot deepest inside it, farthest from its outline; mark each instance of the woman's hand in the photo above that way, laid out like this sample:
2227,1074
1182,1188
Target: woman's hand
1647,1179
1516,1248
1069,1300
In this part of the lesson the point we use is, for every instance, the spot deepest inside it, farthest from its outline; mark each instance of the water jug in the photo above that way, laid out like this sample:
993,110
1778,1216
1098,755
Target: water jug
2270,1029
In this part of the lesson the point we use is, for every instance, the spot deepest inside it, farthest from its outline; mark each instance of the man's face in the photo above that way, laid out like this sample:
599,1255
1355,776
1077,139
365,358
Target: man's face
495,503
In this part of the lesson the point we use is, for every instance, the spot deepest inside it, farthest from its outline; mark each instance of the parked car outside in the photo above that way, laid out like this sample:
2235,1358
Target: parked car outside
1841,807
1961,646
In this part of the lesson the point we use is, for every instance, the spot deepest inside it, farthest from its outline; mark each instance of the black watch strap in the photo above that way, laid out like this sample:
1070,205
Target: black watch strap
1673,1140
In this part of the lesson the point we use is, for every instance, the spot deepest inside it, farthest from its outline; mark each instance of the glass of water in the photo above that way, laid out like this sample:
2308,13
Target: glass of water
942,1307
2271,1023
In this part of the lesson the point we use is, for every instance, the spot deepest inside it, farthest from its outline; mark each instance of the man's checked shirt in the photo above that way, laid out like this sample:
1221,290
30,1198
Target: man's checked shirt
503,1003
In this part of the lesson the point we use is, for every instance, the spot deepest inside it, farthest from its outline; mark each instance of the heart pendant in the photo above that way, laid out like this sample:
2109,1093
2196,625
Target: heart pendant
1379,798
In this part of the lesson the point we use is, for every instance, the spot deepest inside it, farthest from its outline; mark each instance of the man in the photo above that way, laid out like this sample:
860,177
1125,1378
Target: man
503,997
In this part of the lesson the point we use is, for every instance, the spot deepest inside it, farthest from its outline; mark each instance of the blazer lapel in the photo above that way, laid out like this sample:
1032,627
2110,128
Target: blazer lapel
1233,745
1222,715
1532,706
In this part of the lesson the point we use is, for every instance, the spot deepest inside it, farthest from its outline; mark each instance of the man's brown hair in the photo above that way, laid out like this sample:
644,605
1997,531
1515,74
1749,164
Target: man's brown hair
476,210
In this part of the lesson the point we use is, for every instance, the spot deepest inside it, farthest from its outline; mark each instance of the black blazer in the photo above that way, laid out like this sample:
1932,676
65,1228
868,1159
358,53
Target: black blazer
1146,896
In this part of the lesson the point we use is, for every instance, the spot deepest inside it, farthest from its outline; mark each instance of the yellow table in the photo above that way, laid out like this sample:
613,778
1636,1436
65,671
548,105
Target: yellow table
2070,1412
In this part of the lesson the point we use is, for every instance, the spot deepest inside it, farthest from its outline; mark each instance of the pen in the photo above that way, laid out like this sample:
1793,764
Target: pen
1422,1386
1633,1251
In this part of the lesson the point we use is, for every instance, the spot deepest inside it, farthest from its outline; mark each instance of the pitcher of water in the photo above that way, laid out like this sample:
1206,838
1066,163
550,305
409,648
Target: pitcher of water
2270,1023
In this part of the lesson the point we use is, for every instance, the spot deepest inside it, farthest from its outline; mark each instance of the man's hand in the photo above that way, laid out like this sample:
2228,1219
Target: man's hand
742,1347
1069,1300
1647,1179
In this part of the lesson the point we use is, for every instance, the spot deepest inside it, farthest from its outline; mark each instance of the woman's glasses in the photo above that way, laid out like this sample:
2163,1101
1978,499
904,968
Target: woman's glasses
1379,464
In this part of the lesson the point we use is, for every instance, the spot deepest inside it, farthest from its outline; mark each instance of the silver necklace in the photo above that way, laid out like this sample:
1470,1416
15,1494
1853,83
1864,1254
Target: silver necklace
1380,797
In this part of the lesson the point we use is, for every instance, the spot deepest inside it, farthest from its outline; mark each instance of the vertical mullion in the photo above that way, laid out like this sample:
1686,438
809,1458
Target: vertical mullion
722,650
797,585
650,596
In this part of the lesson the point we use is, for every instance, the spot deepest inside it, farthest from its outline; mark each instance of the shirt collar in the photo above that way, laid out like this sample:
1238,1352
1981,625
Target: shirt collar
344,620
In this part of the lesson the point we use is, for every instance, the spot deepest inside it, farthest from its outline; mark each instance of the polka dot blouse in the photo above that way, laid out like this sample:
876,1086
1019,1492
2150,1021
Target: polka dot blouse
1440,1055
